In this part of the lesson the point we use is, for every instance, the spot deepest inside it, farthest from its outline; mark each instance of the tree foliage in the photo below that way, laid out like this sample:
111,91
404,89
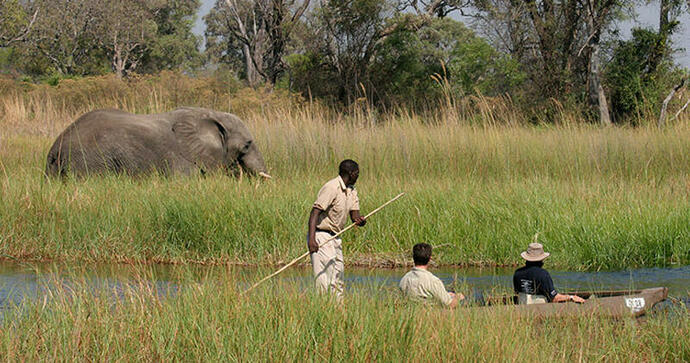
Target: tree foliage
126,37
410,64
356,49
261,28
15,23
384,52
640,74
346,33
65,38
174,45
88,37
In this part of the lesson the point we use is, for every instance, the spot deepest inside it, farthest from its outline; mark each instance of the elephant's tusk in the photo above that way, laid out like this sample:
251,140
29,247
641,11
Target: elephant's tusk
261,173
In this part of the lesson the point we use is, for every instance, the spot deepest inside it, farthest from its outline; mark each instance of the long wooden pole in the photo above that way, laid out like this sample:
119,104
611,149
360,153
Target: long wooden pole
322,244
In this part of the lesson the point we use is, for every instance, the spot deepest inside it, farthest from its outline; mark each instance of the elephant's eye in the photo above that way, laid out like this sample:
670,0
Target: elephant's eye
245,149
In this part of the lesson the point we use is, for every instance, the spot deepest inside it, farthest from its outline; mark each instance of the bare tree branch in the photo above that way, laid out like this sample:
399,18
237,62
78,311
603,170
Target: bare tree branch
664,105
681,110
263,27
7,39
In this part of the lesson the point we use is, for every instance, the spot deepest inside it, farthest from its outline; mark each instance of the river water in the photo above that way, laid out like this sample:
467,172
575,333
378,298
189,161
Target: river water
22,282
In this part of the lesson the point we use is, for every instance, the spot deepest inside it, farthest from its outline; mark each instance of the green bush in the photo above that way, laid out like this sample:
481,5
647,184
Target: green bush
640,75
410,64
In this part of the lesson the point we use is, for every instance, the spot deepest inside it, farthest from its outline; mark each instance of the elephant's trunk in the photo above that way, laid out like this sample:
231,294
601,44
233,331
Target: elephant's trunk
253,163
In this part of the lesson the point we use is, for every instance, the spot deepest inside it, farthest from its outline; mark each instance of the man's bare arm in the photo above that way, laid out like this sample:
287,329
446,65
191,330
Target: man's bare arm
357,219
311,239
456,299
564,297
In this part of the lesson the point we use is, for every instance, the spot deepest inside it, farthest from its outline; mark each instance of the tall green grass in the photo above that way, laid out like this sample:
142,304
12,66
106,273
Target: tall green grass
209,321
613,219
599,198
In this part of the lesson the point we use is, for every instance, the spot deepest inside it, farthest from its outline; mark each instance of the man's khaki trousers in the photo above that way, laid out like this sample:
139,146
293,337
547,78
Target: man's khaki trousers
328,265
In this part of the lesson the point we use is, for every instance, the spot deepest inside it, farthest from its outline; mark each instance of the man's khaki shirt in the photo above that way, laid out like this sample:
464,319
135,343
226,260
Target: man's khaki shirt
335,200
422,285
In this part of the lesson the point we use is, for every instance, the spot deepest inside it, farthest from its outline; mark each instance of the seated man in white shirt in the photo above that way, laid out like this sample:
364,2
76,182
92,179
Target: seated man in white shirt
421,285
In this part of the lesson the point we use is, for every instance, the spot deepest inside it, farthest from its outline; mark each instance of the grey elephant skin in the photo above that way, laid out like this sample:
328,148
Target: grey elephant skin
185,140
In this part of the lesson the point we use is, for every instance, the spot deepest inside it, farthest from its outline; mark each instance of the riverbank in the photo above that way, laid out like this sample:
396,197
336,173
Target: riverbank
209,320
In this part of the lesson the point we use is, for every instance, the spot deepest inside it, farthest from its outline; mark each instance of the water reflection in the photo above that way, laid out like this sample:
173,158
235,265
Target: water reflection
21,282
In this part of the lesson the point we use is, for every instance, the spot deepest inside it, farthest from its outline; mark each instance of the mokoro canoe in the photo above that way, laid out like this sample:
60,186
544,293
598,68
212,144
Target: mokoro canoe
513,299
603,303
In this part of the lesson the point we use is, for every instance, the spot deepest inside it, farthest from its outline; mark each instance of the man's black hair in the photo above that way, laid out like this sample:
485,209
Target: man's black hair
534,263
421,254
346,167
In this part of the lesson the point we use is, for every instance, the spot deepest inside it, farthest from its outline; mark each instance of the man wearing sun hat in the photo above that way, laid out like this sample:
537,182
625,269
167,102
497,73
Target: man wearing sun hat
533,284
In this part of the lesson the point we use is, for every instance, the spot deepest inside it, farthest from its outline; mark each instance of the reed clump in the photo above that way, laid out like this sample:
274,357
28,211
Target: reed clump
208,321
599,198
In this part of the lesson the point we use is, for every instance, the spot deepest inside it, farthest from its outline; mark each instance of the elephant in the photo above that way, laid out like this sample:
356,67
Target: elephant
186,140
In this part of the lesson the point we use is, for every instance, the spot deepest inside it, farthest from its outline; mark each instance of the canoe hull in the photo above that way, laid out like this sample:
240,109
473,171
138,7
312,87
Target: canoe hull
635,304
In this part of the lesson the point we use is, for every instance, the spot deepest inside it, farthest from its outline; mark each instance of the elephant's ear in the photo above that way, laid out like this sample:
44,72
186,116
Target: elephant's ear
202,141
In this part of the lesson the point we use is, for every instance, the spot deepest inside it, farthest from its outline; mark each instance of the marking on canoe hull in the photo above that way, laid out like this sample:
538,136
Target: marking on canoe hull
636,304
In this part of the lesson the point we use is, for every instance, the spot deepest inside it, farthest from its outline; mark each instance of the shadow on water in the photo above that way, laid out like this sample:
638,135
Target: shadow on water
23,282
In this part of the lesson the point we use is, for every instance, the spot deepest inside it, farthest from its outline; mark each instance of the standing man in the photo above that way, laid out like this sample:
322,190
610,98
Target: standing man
533,284
336,200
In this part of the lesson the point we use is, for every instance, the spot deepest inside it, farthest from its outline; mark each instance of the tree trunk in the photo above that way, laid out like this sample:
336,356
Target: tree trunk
597,96
259,49
118,64
252,75
664,10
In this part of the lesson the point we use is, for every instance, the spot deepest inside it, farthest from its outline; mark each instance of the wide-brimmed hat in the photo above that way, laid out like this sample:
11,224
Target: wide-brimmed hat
535,252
